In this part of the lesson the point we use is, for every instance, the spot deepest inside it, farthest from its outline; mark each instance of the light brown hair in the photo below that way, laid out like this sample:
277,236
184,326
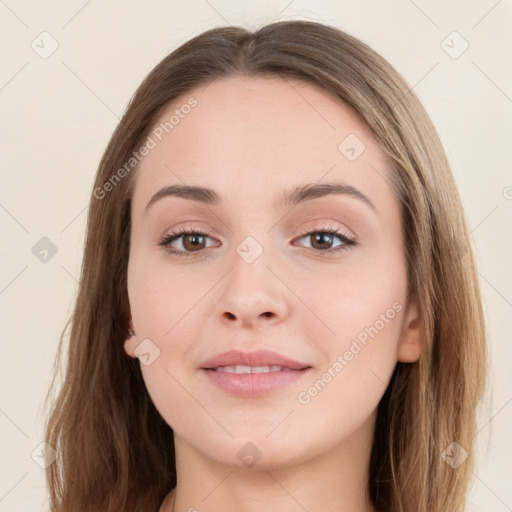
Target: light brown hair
116,452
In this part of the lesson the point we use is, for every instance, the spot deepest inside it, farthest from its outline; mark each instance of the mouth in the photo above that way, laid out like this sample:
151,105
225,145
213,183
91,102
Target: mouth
260,361
243,369
253,374
253,381
253,384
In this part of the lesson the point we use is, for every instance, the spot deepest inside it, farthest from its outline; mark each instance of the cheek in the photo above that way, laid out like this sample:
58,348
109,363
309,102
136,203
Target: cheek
358,360
162,306
349,299
168,306
361,311
163,298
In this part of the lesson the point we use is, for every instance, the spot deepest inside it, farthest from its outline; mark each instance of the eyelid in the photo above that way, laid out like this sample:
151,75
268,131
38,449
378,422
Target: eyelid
329,228
178,233
349,241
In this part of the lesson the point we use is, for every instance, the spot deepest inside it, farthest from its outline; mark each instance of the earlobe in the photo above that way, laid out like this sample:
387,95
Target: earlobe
129,345
410,346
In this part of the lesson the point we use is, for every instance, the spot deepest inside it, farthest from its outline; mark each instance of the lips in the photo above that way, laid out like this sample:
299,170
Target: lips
260,358
253,374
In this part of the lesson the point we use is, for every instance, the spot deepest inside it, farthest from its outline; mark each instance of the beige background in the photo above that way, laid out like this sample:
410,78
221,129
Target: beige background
57,114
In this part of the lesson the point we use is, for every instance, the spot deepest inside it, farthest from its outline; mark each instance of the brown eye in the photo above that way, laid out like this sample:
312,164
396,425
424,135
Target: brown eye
190,242
322,240
193,242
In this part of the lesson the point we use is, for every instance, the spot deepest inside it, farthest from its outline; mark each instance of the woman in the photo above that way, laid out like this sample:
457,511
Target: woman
275,234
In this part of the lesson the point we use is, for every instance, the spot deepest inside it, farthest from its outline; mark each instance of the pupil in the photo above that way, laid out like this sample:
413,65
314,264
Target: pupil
322,238
194,241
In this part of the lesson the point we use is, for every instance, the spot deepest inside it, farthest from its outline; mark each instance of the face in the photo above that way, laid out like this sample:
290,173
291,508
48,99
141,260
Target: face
320,279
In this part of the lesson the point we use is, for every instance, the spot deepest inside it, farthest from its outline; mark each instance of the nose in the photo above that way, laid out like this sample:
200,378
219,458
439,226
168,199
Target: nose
252,294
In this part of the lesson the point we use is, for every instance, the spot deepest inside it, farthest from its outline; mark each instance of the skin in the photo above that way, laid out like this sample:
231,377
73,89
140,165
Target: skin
250,139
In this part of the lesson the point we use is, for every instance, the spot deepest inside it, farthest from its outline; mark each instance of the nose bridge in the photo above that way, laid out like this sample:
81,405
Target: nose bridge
251,292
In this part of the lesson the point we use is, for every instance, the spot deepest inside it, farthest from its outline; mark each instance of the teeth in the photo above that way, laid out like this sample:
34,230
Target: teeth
249,369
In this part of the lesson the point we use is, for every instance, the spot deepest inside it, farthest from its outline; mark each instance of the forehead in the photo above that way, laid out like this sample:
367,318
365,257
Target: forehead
256,136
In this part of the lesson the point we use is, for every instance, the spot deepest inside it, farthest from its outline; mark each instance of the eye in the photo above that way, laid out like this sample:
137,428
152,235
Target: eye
322,240
191,241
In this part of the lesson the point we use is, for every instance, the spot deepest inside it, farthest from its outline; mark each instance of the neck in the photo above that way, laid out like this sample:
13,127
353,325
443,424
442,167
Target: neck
334,481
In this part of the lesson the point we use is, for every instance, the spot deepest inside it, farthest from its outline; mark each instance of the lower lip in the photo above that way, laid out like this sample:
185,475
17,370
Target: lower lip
254,384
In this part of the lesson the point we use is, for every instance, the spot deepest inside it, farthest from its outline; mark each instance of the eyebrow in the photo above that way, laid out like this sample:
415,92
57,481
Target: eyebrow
291,197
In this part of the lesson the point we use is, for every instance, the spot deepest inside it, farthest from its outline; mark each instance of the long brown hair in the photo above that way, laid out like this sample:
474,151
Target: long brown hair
115,451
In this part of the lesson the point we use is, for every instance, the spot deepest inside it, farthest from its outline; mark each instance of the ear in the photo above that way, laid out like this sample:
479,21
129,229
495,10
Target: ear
409,348
131,342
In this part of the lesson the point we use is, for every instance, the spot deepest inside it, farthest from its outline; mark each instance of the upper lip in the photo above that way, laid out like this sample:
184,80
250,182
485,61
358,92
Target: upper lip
257,358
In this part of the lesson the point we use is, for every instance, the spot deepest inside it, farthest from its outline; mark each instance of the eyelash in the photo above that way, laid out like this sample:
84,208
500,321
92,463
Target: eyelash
348,242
